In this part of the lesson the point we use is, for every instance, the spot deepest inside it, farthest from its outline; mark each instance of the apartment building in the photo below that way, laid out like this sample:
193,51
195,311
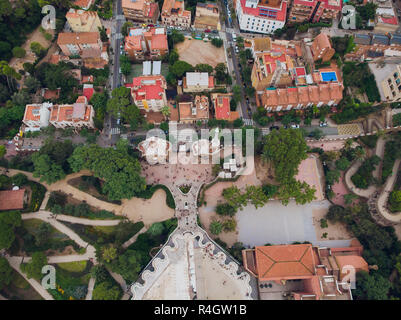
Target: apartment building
197,82
388,79
146,44
314,10
207,16
144,11
174,14
303,271
83,4
149,92
78,115
82,44
221,103
261,16
321,48
83,21
193,111
386,19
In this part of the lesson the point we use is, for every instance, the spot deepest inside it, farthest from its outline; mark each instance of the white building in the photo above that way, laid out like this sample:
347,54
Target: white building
37,116
261,16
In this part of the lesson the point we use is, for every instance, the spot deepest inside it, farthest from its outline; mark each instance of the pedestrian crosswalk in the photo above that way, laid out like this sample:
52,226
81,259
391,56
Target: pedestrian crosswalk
115,131
248,122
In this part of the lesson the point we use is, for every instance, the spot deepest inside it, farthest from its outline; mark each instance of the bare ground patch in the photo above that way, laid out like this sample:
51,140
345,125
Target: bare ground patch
197,51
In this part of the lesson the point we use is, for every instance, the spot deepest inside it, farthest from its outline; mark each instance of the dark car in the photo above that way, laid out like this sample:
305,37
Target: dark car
274,128
207,30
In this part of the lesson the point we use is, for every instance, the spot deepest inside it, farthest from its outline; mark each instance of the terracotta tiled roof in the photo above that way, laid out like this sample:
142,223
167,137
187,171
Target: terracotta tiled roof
12,199
135,5
285,262
77,38
159,42
83,3
356,261
148,87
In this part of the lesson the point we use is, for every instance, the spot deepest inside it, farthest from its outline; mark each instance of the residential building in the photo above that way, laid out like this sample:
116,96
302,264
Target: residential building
146,44
388,79
300,97
303,271
207,16
48,94
314,10
83,21
193,111
321,48
37,116
144,11
271,69
88,91
78,115
83,4
386,18
149,92
13,199
174,14
197,82
221,103
80,44
262,16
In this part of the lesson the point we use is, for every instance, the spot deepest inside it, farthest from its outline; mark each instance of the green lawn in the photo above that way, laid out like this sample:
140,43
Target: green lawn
136,71
32,226
76,266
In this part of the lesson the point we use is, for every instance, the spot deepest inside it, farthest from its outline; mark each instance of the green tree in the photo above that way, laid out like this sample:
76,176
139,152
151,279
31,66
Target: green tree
395,200
225,209
46,169
229,225
106,291
371,286
125,28
8,222
19,52
216,227
166,112
256,196
179,68
32,84
109,254
128,265
33,269
6,273
217,42
342,164
156,229
119,171
3,151
43,233
203,67
37,48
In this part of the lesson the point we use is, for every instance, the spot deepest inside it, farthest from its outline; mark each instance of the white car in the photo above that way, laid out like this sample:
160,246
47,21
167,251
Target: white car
295,126
323,124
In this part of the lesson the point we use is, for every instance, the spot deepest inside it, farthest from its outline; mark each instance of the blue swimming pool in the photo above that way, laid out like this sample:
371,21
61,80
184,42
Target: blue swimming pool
329,76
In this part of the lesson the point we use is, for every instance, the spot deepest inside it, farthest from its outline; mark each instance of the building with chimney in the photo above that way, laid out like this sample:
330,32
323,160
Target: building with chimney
78,115
193,111
261,16
221,103
144,11
314,10
304,271
197,82
83,21
174,14
149,92
207,16
80,44
146,44
321,48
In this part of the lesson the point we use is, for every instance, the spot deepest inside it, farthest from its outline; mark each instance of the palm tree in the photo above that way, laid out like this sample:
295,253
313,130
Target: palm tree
360,153
348,144
166,112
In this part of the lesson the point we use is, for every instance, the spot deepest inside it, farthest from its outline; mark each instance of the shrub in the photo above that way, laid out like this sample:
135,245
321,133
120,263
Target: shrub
363,178
216,227
19,52
225,209
323,223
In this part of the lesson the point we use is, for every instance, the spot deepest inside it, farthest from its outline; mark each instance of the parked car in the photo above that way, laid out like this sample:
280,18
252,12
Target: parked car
323,124
295,126
274,128
208,30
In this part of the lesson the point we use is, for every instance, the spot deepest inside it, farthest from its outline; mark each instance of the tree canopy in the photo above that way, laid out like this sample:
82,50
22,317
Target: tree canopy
119,171
8,222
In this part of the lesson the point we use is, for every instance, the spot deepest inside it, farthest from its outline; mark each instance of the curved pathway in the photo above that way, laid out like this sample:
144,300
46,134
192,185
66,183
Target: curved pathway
365,193
382,200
